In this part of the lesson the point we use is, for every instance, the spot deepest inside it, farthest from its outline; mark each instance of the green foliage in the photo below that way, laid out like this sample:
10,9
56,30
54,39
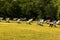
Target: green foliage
47,9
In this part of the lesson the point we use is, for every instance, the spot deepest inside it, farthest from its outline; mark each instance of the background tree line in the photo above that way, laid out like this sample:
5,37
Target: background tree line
47,9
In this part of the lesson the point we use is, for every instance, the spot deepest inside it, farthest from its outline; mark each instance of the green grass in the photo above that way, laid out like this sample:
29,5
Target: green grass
23,31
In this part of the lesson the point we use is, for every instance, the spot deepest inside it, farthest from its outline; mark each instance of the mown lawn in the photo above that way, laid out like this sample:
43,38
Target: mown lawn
23,31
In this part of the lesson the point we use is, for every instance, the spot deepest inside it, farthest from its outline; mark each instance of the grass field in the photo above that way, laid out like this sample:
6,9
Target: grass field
23,31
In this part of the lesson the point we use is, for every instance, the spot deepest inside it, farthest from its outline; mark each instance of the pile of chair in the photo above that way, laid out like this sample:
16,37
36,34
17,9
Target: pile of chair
29,21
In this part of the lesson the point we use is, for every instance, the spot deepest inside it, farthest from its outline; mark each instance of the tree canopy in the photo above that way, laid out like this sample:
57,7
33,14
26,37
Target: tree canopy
47,9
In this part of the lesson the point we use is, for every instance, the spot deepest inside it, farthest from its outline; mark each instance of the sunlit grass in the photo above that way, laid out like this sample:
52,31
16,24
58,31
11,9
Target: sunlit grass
23,31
